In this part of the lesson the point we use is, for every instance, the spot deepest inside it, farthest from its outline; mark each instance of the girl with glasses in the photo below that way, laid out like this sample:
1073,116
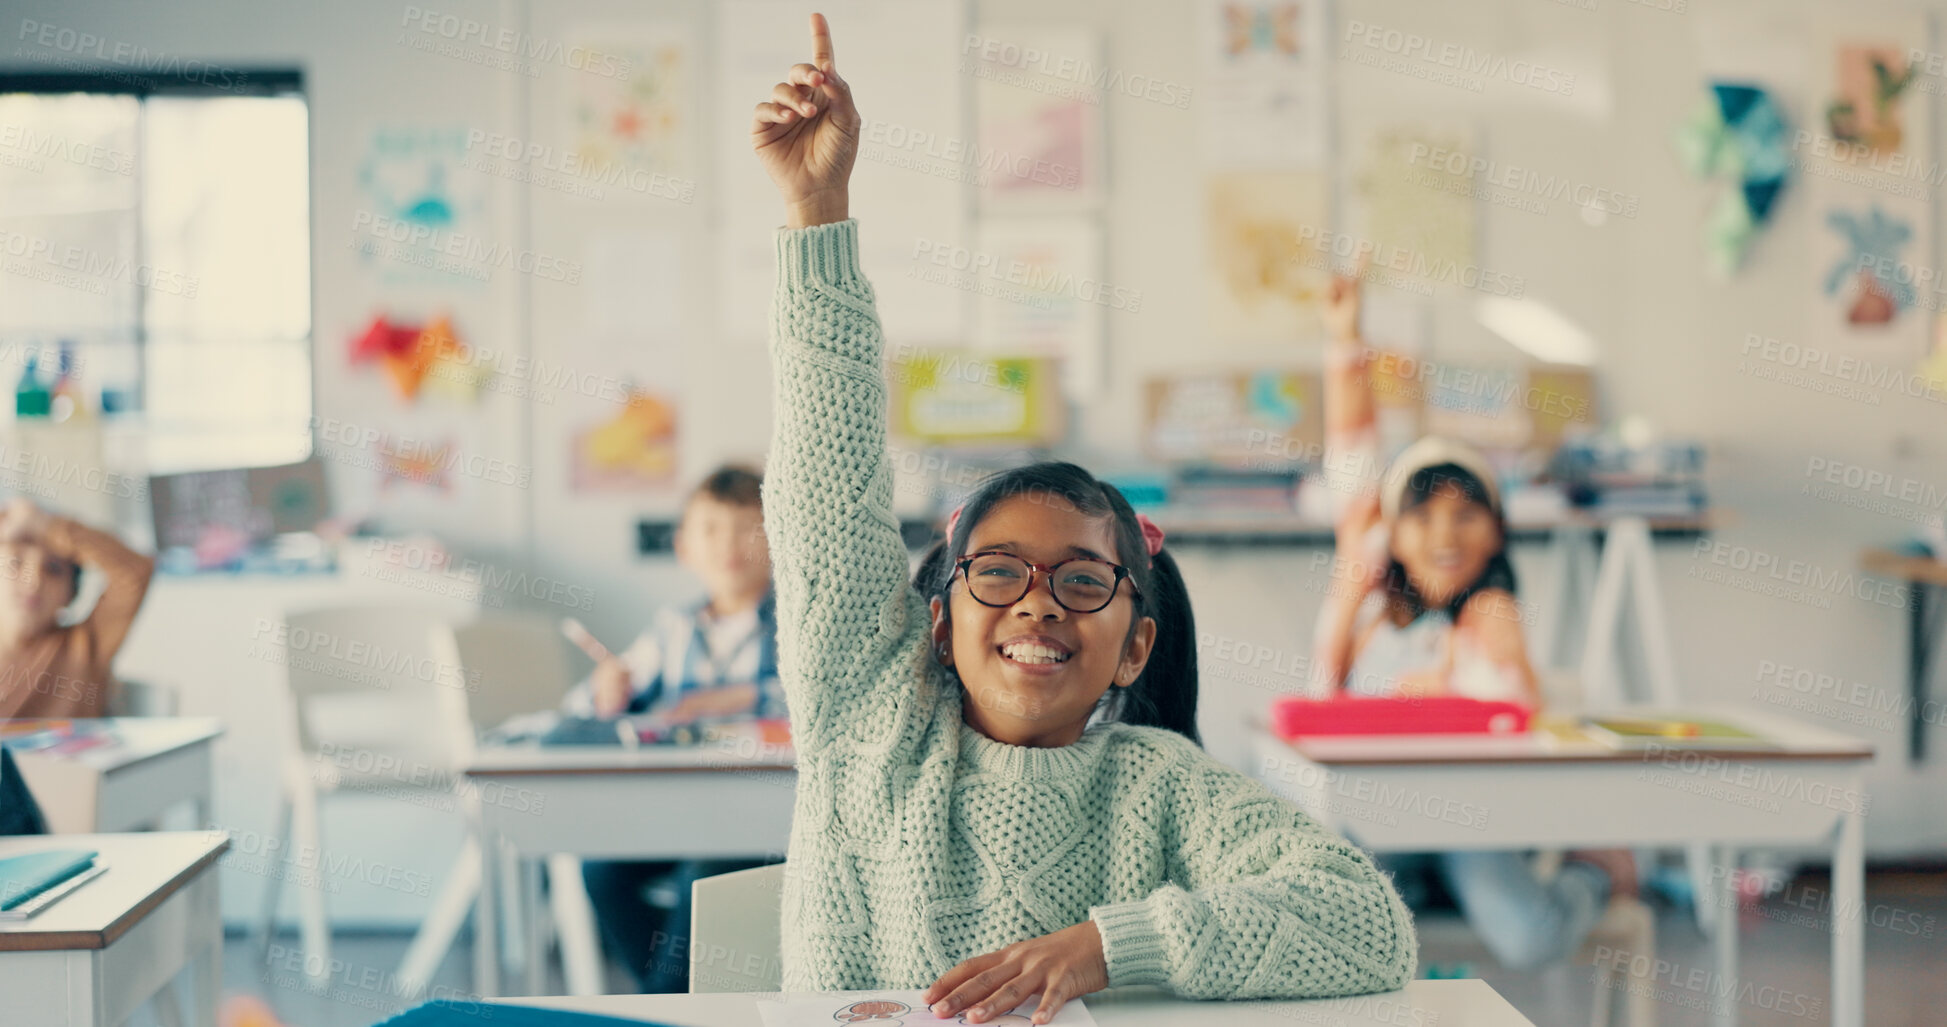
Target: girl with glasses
966,823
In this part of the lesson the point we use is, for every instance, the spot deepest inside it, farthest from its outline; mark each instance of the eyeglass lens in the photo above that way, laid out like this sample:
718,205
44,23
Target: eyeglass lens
1082,586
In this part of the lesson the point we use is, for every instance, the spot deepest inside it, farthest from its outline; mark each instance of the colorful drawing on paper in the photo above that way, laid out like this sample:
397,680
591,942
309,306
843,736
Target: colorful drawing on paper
1257,419
1869,89
1866,279
415,356
634,449
1411,199
951,397
414,197
1269,253
632,111
902,1009
1039,125
1262,100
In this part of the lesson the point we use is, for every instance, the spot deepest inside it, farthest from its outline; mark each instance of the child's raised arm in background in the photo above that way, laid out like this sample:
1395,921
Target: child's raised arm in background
47,670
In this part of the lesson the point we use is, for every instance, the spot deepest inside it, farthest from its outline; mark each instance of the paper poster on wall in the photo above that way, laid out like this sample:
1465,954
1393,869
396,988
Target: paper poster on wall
1413,192
1038,111
960,397
421,217
916,161
1870,173
633,449
1268,253
1257,419
1263,98
1041,296
628,110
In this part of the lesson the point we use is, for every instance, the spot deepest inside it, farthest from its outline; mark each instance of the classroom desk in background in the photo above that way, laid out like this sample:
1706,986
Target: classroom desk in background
1926,608
1441,1003
98,953
658,802
140,769
1433,793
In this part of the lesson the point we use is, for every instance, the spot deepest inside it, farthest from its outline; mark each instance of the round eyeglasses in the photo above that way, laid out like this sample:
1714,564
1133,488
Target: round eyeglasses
1079,585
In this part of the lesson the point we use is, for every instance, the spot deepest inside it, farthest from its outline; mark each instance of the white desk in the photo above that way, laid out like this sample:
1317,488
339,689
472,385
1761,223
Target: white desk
152,765
1441,1003
101,951
608,802
1406,793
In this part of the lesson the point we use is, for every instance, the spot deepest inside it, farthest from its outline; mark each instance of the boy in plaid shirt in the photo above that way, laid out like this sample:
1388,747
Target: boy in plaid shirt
714,660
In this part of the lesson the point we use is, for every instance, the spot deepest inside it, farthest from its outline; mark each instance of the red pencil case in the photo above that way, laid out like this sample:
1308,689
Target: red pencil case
1296,716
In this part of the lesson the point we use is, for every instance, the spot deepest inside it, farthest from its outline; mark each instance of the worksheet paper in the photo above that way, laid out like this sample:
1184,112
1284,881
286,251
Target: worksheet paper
901,1008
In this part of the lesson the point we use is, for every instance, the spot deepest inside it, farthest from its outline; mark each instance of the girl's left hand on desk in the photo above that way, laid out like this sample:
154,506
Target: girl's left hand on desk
1066,964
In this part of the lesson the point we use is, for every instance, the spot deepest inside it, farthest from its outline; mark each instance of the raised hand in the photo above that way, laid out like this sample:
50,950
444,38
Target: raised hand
1342,304
807,135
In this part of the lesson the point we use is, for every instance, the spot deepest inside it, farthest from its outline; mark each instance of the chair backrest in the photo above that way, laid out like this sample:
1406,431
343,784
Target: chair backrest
736,939
142,699
513,663
373,682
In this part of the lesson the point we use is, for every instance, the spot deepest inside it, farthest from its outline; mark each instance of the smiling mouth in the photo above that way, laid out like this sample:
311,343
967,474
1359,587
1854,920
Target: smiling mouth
1034,654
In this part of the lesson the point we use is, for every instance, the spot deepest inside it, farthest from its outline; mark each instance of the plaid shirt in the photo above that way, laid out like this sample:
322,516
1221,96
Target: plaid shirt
672,659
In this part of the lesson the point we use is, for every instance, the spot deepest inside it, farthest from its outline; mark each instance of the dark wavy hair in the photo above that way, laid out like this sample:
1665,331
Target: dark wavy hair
1165,693
1498,573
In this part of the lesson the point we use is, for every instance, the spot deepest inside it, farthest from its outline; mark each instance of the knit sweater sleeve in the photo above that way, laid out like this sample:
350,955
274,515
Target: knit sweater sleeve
1271,904
840,566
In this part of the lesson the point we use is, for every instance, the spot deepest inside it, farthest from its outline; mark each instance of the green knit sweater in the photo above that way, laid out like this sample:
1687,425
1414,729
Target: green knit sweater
919,842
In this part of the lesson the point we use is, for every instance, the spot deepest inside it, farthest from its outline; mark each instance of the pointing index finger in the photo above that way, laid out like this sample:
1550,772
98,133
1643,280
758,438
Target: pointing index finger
821,43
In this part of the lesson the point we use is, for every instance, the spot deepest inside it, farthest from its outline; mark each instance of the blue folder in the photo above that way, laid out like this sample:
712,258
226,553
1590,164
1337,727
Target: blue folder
23,878
449,1013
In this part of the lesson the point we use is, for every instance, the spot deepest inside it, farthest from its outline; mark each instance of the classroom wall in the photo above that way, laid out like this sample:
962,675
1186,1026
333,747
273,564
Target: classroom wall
1669,334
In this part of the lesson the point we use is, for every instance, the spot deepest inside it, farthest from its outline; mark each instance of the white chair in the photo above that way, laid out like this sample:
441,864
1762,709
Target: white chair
1627,929
369,687
519,663
143,699
736,938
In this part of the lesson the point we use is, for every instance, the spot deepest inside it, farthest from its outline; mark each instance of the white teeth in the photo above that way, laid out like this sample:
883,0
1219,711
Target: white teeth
1032,653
